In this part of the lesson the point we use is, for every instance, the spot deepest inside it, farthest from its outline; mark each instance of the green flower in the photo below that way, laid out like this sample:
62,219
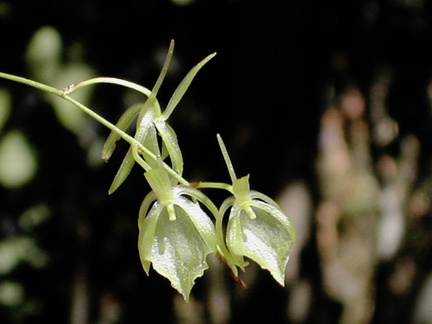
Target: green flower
257,228
151,120
175,234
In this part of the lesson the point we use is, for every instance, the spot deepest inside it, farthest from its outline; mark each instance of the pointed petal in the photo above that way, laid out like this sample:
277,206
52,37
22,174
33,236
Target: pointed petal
169,139
151,103
123,171
178,250
151,143
164,70
267,240
125,120
183,86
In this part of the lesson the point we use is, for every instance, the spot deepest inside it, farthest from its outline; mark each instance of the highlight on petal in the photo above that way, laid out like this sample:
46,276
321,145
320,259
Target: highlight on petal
267,239
177,249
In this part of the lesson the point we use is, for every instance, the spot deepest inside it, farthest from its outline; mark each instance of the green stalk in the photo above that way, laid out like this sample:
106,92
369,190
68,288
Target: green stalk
214,185
127,84
92,114
32,83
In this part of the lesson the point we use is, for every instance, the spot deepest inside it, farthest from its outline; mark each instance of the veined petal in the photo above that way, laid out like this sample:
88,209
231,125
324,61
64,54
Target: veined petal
178,249
200,220
267,240
275,212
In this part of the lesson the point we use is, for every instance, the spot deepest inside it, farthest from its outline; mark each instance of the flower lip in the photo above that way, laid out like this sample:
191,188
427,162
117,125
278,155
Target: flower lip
176,249
266,239
257,228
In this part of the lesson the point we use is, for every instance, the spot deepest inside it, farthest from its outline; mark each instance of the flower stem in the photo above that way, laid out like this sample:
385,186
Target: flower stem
215,185
76,86
64,94
31,83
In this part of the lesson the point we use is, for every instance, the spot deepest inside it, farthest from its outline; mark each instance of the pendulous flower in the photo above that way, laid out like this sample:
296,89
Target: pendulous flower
150,117
257,228
175,234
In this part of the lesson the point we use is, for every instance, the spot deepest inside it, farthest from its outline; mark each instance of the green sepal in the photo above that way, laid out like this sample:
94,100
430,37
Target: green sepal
123,123
169,139
146,134
129,160
151,143
123,171
241,188
160,183
183,86
232,260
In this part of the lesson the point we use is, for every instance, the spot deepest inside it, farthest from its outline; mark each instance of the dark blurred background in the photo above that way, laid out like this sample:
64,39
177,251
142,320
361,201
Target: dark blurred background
327,104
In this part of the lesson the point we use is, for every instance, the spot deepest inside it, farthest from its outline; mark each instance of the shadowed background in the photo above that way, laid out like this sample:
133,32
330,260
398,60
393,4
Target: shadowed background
326,104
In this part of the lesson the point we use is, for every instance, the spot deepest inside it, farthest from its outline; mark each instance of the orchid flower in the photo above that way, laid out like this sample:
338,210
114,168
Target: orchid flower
149,117
175,234
176,229
257,228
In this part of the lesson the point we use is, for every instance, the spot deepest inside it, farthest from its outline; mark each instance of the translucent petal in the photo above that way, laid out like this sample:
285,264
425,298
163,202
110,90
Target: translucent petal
164,70
258,195
169,139
125,120
165,152
123,171
267,240
145,134
241,190
160,183
150,142
144,208
233,260
201,221
177,249
146,236
183,86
